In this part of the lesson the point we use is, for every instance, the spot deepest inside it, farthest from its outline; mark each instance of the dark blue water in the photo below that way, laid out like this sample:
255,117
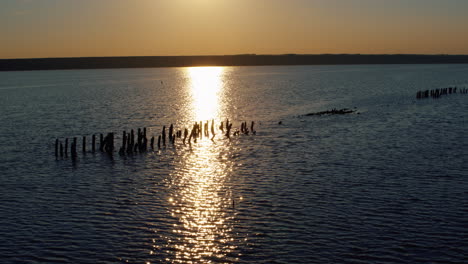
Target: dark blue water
386,184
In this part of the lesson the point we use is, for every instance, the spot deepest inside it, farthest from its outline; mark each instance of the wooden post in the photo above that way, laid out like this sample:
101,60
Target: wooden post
171,128
56,147
145,140
200,128
164,136
129,146
139,139
101,142
132,142
212,129
61,149
66,147
159,142
84,144
124,141
152,143
185,134
93,143
111,147
73,153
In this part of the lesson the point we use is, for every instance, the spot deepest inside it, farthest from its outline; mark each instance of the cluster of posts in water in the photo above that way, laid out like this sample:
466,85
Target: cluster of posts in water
436,93
132,144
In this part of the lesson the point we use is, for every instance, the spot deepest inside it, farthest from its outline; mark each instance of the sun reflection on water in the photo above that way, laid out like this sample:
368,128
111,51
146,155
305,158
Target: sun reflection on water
206,86
201,199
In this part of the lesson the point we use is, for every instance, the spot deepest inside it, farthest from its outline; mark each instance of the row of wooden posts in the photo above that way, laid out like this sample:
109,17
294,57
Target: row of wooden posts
139,143
436,93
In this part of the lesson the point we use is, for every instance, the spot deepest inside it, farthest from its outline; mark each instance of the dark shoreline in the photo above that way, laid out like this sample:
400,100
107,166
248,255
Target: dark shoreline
226,60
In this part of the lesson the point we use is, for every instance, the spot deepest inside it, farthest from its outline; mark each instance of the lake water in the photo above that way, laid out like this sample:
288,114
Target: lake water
386,184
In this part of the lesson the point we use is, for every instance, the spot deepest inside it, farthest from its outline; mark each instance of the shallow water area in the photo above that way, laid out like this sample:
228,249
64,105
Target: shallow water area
385,184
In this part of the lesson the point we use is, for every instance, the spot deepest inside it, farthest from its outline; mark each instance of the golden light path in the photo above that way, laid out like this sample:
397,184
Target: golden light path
206,85
201,200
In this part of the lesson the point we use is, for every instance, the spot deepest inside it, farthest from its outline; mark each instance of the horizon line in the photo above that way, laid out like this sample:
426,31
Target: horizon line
247,54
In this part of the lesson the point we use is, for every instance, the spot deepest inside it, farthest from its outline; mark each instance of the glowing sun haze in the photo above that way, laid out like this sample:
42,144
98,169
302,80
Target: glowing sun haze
82,28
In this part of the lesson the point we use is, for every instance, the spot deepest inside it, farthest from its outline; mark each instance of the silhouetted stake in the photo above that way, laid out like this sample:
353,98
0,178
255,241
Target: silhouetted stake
84,144
61,149
194,133
145,144
221,127
139,140
66,147
152,143
145,140
190,137
200,128
56,147
132,138
73,152
129,147
185,134
164,136
159,142
212,129
124,141
110,143
93,143
228,129
101,142
171,128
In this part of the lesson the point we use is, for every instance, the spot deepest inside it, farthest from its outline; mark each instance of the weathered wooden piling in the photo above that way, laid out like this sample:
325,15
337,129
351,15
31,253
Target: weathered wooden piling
93,143
164,136
212,129
124,140
56,147
66,147
109,143
200,130
139,140
131,143
84,144
73,150
152,143
185,135
171,130
101,142
129,147
145,140
61,149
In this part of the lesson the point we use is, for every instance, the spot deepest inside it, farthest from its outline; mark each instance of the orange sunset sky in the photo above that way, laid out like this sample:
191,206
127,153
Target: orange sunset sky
82,28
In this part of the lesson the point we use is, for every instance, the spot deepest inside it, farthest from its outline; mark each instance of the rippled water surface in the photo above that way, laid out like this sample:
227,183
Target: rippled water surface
386,184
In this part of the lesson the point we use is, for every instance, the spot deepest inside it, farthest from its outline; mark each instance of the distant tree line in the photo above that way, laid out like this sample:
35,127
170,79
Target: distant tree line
226,60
